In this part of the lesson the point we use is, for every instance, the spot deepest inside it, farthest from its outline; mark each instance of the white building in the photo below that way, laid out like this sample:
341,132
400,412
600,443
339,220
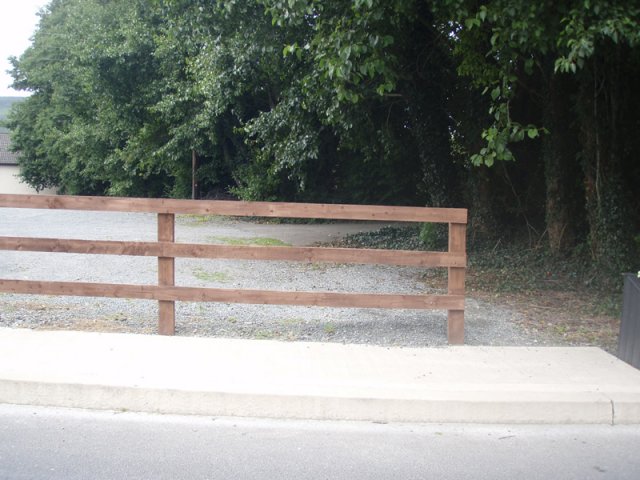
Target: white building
9,170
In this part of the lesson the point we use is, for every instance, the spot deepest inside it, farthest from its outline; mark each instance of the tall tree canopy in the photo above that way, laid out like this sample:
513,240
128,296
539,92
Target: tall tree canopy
276,103
522,111
565,72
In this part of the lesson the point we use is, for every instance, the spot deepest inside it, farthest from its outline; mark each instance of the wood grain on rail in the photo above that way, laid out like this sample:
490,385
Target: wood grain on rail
265,297
242,252
238,208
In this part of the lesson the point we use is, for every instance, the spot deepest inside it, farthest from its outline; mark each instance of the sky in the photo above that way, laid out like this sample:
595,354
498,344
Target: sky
17,25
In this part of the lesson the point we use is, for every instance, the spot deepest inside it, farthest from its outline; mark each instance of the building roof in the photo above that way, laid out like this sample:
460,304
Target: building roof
7,157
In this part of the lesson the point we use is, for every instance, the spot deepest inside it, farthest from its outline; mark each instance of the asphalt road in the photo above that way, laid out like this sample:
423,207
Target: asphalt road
48,443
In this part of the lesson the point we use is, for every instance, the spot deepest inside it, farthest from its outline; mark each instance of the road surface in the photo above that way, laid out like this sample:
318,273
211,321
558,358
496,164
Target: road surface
57,444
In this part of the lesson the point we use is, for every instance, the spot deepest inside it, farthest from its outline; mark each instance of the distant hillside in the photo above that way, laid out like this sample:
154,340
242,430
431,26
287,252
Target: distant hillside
5,106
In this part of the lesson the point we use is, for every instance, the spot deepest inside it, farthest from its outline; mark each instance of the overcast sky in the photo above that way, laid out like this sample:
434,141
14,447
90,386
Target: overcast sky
17,24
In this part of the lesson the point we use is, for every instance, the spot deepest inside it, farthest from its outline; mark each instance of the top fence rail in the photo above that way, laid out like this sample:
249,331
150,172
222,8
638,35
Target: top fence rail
238,208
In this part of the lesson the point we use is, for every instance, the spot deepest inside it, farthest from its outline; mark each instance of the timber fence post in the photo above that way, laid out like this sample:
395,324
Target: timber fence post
166,275
455,318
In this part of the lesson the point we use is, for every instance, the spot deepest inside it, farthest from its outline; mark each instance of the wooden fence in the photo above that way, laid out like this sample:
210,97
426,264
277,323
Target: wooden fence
166,250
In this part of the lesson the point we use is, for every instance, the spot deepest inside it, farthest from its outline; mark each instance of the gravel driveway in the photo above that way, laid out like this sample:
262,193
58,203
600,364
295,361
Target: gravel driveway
485,324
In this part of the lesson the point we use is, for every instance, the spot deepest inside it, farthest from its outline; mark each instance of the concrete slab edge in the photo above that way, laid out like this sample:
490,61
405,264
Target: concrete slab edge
625,408
553,408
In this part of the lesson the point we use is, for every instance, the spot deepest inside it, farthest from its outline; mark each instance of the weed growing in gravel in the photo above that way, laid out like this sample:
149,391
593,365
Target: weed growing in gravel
193,219
260,241
9,308
316,267
329,328
290,321
116,317
264,334
220,277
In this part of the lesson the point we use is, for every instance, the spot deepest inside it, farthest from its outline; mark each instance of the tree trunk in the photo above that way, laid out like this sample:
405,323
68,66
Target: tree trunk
609,200
560,149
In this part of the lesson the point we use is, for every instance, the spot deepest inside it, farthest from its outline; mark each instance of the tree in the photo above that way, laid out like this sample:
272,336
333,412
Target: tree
375,75
89,95
575,57
302,100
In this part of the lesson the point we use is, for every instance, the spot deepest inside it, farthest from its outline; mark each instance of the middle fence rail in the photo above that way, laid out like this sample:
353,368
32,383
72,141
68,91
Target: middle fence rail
166,250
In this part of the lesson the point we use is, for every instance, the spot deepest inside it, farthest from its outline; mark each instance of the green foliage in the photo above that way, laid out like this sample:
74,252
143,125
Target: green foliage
514,51
395,238
502,42
340,128
497,43
77,129
590,23
434,236
273,106
349,43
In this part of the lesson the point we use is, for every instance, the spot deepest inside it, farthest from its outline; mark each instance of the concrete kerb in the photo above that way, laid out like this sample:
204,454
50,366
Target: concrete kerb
261,378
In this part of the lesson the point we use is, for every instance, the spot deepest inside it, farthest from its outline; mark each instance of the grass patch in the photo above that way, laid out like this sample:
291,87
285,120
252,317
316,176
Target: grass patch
329,328
195,219
260,241
116,317
205,276
265,335
290,321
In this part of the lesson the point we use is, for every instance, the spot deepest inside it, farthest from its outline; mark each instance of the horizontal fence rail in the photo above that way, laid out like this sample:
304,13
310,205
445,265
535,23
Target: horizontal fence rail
166,250
238,208
265,297
242,252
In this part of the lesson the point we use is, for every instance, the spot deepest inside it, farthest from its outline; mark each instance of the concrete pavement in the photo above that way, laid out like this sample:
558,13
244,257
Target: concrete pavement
260,378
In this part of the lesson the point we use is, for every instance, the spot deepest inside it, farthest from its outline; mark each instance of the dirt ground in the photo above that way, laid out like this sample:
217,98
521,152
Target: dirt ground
570,317
565,315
